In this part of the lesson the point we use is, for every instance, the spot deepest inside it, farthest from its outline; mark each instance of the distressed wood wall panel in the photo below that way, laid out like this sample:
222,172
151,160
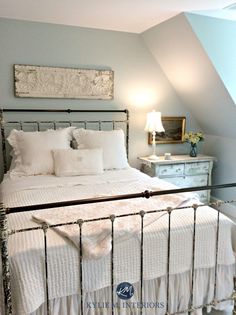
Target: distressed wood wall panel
55,82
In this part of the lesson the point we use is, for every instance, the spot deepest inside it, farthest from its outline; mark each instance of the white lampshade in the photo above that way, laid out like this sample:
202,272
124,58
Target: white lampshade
154,122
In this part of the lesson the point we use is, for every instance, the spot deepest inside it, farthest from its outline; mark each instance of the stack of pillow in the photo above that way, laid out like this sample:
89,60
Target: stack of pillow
50,152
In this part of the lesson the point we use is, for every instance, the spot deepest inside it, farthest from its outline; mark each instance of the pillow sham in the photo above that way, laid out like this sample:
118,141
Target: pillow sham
33,150
78,162
112,143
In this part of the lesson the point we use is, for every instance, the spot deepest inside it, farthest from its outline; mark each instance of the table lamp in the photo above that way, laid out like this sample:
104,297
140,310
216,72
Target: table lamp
154,125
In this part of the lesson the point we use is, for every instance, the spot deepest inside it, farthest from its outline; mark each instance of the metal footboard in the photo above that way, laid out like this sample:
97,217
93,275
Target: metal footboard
6,233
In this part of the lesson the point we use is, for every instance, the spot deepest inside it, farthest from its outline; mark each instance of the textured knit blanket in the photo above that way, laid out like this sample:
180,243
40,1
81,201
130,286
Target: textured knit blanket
26,250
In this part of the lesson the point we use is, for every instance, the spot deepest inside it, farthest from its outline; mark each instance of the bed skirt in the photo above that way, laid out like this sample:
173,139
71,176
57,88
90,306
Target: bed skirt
154,296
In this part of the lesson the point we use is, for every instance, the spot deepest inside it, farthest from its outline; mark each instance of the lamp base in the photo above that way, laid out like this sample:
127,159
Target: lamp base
153,157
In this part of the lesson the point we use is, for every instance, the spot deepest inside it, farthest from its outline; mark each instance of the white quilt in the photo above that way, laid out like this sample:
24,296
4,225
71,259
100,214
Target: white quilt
26,249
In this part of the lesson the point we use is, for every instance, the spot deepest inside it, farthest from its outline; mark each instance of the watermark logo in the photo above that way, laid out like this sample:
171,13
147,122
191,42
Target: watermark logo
125,290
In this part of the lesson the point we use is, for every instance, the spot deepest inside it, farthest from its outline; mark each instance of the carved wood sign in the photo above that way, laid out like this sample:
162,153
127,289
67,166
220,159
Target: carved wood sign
51,82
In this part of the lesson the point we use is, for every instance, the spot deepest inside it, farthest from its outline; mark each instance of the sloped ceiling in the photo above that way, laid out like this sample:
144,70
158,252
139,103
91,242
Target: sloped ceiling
186,63
218,37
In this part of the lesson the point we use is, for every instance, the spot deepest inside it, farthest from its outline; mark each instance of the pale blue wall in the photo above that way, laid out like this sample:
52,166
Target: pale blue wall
218,37
185,60
176,48
140,84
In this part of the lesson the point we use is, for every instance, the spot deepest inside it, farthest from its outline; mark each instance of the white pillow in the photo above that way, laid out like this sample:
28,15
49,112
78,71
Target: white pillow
112,144
78,162
33,150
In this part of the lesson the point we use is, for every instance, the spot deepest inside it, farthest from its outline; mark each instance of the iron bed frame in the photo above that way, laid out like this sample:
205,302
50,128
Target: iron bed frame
5,233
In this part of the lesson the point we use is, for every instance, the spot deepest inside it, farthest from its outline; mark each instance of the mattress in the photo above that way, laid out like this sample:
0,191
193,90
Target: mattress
27,254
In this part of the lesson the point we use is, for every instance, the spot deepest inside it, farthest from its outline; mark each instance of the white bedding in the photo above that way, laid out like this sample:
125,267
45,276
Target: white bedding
26,249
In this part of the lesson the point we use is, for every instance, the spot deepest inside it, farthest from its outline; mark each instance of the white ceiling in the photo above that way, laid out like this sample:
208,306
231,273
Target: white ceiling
122,15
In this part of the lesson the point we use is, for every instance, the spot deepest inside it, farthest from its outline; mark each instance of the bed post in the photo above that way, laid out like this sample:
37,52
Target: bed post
3,141
5,261
234,297
127,133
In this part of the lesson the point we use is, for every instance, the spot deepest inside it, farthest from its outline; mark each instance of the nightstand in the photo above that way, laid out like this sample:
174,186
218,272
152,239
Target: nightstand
183,171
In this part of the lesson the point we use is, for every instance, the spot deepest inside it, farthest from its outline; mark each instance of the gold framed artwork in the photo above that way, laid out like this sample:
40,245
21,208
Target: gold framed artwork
174,130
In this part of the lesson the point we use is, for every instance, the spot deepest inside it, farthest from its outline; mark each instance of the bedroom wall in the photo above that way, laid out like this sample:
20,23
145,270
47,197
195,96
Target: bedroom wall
185,60
217,36
140,84
188,67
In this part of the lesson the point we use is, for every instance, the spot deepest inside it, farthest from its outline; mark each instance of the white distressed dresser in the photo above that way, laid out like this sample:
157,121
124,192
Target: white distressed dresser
182,170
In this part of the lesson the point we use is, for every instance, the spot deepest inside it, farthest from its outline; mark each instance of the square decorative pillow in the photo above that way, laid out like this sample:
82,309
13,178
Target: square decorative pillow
78,162
112,144
33,150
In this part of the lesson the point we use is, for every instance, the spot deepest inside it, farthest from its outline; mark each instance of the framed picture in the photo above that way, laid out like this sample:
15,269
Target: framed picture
56,82
174,130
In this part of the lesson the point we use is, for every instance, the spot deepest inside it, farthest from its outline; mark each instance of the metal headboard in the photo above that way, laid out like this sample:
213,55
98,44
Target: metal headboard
55,123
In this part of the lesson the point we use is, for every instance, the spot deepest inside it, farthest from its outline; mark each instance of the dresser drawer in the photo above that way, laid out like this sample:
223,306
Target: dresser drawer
189,181
197,168
182,171
197,180
169,170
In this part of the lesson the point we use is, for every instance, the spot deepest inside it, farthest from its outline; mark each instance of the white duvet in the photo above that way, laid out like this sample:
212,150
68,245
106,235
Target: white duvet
26,249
